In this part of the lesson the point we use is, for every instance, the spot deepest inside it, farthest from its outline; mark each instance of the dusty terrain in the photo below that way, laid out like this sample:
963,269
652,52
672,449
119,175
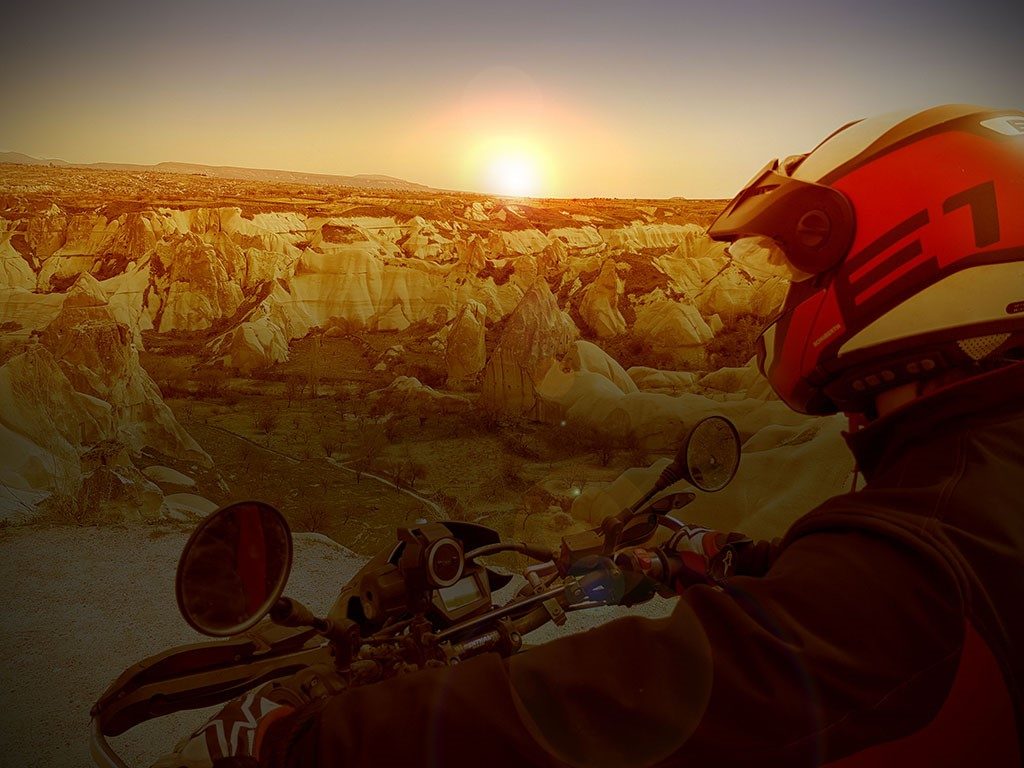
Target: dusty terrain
361,359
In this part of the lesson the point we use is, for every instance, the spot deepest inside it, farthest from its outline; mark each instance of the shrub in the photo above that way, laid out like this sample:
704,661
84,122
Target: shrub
68,509
736,343
415,470
515,443
391,428
264,420
211,382
294,387
314,518
370,443
512,473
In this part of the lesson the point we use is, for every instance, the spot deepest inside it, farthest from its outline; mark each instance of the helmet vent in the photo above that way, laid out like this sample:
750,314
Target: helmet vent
981,347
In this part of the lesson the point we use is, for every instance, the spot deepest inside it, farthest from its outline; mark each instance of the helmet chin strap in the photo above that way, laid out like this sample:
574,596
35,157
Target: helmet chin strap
884,403
892,399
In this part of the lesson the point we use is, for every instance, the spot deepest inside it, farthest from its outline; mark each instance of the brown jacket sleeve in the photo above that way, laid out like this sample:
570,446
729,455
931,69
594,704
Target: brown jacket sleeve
851,638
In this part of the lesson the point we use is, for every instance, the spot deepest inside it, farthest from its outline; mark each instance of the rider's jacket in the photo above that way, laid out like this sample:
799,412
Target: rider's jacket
888,630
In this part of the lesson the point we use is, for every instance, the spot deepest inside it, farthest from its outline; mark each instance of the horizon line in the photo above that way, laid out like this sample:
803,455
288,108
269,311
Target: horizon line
55,162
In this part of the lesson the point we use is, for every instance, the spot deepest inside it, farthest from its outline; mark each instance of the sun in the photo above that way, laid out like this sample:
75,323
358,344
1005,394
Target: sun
514,173
510,165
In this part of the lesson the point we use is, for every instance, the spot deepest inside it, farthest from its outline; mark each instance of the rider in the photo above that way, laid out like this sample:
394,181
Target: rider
887,628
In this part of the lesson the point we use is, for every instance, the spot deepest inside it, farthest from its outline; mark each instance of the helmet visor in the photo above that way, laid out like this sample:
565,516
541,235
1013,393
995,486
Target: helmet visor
812,224
766,264
765,258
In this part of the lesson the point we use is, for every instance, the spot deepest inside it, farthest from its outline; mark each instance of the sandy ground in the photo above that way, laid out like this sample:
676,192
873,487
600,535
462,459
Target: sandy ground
81,604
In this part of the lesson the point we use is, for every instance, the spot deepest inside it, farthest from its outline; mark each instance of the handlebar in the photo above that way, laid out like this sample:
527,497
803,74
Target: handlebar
552,592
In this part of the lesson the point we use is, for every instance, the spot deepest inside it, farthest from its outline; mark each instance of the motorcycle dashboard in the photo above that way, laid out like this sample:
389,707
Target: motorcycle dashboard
465,597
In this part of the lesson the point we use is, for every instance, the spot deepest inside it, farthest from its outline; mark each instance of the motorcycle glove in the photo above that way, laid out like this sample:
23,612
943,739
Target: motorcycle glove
704,556
232,737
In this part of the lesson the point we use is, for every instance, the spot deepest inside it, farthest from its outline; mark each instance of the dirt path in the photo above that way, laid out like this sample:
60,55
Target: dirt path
250,441
434,506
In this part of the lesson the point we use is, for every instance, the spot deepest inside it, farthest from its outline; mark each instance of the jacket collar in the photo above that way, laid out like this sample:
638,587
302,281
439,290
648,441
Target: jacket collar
992,394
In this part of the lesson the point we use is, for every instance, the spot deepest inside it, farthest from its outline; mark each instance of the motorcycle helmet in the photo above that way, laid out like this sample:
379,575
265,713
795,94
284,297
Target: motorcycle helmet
904,239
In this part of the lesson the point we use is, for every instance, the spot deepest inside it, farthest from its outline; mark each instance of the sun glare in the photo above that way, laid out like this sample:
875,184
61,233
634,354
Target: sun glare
514,174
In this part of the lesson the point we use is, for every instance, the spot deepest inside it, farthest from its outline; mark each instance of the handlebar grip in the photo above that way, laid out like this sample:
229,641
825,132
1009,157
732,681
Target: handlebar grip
648,562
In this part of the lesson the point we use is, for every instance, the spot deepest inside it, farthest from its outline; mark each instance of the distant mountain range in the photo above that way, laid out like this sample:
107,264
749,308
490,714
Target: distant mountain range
362,180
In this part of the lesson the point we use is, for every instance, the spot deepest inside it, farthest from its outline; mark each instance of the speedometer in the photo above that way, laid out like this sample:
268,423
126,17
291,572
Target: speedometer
461,593
444,562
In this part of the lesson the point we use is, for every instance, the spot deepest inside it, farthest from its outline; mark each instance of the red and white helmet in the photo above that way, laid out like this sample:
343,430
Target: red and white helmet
904,235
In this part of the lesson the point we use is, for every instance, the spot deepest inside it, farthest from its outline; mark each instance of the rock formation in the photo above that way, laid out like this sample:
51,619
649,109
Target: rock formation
15,271
199,289
409,396
465,351
536,335
600,305
670,323
665,382
244,282
78,386
591,389
772,487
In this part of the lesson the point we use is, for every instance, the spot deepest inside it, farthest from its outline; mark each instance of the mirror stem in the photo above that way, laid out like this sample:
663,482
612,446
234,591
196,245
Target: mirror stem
289,612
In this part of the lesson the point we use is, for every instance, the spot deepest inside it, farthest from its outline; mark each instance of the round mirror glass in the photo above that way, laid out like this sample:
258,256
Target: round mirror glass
234,568
712,453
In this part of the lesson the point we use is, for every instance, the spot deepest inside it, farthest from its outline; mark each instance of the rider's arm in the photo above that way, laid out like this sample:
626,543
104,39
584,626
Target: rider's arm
851,638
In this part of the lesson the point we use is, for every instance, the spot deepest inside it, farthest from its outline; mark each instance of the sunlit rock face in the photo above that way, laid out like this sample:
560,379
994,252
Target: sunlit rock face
772,487
199,287
600,306
465,349
215,268
15,271
671,323
740,281
664,382
260,341
240,279
97,356
45,422
654,408
408,395
536,335
77,385
46,233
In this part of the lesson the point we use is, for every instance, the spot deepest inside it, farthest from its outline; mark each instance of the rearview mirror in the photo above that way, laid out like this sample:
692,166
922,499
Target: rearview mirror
711,454
233,568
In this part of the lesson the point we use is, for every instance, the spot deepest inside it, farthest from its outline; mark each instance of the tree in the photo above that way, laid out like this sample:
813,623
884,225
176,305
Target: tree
412,470
294,387
391,426
330,444
393,469
603,444
369,444
265,420
313,367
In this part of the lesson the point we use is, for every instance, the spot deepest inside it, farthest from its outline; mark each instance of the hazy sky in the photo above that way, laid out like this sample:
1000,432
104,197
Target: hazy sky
552,97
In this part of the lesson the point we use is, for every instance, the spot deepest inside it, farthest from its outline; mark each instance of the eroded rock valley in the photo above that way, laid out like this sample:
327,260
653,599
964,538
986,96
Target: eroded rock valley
171,342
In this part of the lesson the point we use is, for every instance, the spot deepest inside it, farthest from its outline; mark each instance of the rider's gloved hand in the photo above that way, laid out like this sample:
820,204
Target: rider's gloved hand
232,737
703,556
